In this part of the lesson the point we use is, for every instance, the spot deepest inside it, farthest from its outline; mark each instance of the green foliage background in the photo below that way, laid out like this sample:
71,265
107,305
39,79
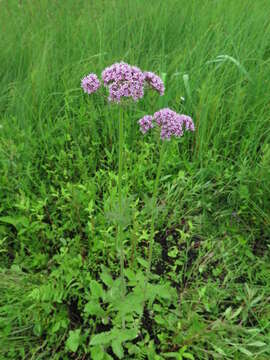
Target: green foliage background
58,176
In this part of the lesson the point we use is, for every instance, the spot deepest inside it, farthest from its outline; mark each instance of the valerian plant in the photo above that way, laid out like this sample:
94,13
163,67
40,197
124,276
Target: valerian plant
125,84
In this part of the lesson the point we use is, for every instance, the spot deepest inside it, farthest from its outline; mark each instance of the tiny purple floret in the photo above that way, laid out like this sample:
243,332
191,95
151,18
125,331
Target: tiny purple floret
90,83
154,82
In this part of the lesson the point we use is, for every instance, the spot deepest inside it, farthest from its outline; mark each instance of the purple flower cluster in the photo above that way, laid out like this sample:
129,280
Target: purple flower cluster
90,83
123,80
170,123
154,82
146,123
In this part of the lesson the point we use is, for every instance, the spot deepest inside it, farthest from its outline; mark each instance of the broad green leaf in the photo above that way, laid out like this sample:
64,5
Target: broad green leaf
132,303
130,275
97,353
124,334
73,340
160,320
165,291
103,338
117,348
106,277
17,222
94,308
96,289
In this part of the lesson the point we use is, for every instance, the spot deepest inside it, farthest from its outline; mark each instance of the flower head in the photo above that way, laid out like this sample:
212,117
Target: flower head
154,82
123,80
170,123
90,83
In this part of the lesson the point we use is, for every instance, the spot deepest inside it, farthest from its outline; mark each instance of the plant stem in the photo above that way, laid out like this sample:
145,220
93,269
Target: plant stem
154,211
120,223
153,218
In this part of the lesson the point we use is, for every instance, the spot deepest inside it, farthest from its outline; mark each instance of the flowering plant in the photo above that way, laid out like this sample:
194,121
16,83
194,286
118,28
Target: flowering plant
126,82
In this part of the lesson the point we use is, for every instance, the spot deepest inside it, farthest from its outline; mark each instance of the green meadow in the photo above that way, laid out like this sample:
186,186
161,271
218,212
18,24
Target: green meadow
208,294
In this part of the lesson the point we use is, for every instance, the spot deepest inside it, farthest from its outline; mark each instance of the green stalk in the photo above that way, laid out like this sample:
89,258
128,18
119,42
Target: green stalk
120,223
153,218
154,212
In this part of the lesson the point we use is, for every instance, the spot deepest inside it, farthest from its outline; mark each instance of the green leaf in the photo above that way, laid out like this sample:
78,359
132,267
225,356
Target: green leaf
219,350
94,308
160,320
73,340
257,344
143,262
188,356
133,349
174,355
132,303
236,313
245,351
118,349
97,353
16,222
103,338
108,357
130,275
124,334
96,289
106,277
165,291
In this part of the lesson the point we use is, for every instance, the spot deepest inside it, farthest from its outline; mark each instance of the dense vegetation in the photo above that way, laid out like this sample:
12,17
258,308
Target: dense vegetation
59,284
